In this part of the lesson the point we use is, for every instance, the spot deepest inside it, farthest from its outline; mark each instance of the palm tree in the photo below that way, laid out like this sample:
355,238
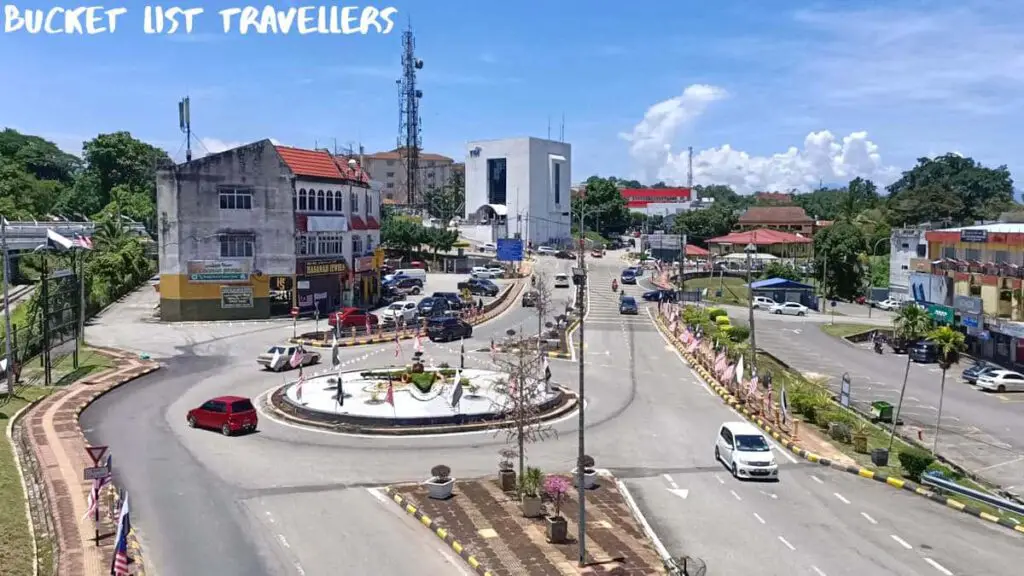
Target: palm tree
950,343
910,325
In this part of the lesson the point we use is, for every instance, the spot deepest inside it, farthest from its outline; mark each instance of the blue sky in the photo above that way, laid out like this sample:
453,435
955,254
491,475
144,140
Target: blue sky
919,77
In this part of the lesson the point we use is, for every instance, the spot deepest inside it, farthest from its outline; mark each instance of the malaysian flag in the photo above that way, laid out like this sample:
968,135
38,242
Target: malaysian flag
784,404
335,357
457,392
494,349
298,386
94,492
119,566
296,360
419,343
83,242
368,328
58,242
390,396
727,375
398,346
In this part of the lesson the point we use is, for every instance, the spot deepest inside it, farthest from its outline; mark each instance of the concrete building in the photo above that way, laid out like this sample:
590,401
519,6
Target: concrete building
782,218
905,245
388,168
518,187
251,232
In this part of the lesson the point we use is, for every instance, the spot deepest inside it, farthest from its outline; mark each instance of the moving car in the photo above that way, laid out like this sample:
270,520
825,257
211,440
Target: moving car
400,312
764,303
628,276
888,304
431,306
488,247
1002,381
978,369
496,271
352,317
229,414
596,253
660,296
530,298
417,273
924,352
480,287
561,280
627,305
546,250
637,271
283,355
789,309
453,299
481,272
406,285
563,255
446,328
745,451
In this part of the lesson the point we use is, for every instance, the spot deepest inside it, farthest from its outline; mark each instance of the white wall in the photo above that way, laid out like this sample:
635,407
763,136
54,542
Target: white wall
899,260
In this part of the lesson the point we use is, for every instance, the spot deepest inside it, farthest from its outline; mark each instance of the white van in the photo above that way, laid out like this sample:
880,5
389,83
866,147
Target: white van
561,280
417,273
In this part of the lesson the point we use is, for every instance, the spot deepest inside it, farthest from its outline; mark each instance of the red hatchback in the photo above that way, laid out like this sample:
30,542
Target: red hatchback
352,317
229,414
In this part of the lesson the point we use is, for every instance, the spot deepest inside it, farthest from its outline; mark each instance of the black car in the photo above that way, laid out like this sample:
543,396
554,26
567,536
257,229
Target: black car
628,277
627,305
431,306
660,296
480,287
563,255
446,328
924,353
453,299
530,298
979,369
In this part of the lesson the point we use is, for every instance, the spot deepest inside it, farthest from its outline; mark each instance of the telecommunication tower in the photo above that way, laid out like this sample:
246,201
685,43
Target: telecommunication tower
409,130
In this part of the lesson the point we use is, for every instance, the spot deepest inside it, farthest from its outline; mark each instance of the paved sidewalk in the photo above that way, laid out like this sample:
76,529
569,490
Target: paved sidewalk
486,526
56,438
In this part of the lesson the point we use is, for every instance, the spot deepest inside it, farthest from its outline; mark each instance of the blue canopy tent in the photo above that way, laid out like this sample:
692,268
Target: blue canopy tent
783,290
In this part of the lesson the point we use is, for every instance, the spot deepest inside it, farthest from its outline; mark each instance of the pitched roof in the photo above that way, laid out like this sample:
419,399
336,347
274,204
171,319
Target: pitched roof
356,223
760,237
637,193
774,215
310,163
779,283
399,153
692,250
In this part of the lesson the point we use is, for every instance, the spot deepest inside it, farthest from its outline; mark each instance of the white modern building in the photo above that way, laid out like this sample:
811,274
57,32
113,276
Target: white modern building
518,187
905,244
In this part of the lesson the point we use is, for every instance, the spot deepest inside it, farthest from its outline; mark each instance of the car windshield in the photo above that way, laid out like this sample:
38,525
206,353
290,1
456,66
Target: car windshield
751,443
276,350
628,301
396,307
241,406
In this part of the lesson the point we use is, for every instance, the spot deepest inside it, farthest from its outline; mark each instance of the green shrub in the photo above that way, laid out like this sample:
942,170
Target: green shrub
915,461
722,321
714,313
739,334
423,380
840,432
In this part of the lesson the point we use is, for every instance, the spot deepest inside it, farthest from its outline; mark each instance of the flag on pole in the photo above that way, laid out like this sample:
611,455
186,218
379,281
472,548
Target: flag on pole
94,495
335,352
419,343
368,328
398,346
783,401
296,359
119,566
341,391
547,375
457,392
728,373
390,396
462,354
494,349
298,386
739,371
83,242
56,241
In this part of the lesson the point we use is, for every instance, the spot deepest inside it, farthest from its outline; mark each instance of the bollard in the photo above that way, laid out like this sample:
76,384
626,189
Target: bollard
353,332
796,428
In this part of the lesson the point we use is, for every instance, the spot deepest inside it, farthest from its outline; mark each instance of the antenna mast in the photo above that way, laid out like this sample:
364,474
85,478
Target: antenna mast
185,124
409,130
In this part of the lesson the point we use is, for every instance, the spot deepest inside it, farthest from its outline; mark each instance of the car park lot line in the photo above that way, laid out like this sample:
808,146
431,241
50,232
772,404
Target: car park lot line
938,566
841,498
868,518
735,495
759,519
901,542
818,571
786,542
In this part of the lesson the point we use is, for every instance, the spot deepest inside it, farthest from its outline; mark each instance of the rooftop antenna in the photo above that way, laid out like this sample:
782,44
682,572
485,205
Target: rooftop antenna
335,147
410,139
185,124
561,133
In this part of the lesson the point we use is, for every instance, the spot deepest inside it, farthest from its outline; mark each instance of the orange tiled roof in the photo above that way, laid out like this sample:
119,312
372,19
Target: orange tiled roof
775,215
760,237
310,163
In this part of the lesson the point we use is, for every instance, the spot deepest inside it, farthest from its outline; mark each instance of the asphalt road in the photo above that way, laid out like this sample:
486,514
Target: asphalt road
295,501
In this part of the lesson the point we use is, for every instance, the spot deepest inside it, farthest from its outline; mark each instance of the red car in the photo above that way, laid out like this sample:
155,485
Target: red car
352,317
229,414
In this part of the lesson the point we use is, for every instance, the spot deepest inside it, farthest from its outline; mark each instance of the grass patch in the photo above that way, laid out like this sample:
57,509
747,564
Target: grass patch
734,290
844,330
63,371
16,553
19,318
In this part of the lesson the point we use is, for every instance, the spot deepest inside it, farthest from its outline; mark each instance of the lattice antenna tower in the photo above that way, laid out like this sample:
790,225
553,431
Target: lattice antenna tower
409,130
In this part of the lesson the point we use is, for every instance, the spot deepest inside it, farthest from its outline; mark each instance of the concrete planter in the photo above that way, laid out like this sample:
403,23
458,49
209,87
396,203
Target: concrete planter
507,480
440,490
589,478
533,506
558,530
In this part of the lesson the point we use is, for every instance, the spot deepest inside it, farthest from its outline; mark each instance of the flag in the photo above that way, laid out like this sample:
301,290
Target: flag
276,360
83,242
752,387
728,373
494,349
298,386
462,353
739,371
368,324
57,242
341,391
512,385
335,352
296,359
94,495
547,370
390,396
119,566
398,346
783,401
419,343
457,393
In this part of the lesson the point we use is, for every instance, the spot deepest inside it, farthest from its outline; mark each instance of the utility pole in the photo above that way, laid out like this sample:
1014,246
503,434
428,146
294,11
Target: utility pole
580,294
7,310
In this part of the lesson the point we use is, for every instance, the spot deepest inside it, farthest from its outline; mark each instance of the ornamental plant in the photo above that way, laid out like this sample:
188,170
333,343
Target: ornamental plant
556,487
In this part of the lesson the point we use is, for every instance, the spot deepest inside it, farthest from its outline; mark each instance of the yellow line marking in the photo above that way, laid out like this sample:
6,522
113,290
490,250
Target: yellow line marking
457,547
473,562
989,517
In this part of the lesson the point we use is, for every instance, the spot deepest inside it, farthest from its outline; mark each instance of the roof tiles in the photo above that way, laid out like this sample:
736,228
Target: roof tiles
760,237
775,215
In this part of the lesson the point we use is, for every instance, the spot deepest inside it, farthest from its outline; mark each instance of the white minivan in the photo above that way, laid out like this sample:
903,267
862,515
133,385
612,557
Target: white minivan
745,452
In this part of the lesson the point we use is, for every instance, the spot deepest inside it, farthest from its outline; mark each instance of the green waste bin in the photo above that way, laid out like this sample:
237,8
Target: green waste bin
882,411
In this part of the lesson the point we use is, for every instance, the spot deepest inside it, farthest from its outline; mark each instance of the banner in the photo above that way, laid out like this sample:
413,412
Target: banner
218,271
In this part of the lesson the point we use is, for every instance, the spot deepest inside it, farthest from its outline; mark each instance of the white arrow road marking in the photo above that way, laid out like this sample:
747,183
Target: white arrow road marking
681,492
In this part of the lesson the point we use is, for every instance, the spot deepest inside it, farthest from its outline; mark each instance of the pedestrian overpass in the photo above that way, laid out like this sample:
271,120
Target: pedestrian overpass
26,236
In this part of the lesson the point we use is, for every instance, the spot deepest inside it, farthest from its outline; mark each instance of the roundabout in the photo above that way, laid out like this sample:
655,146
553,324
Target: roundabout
415,399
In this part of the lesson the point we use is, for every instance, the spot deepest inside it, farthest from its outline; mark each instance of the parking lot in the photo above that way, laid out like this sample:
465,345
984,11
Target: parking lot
447,283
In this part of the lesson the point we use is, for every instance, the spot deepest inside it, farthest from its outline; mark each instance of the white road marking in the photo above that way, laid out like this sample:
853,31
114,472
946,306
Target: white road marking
298,568
668,478
719,478
284,542
816,479
868,518
771,495
786,542
841,497
912,399
681,492
901,542
938,567
737,496
818,571
759,519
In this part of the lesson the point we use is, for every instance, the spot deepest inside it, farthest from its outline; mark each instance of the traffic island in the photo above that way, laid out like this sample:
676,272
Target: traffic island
488,529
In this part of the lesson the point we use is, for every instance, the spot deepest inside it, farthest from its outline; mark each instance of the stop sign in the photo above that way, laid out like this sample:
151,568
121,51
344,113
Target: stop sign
295,311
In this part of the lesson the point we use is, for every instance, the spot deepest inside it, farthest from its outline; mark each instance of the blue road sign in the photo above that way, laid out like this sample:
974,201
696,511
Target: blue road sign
510,250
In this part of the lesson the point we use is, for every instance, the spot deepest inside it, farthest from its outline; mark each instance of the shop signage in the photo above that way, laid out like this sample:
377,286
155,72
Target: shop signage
967,304
974,323
940,314
974,235
364,264
1014,329
218,271
236,297
281,283
322,267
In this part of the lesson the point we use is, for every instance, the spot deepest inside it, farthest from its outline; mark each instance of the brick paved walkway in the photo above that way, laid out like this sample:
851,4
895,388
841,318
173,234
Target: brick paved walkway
491,526
56,438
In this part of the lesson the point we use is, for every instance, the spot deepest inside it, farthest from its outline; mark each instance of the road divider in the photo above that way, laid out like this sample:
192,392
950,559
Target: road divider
788,440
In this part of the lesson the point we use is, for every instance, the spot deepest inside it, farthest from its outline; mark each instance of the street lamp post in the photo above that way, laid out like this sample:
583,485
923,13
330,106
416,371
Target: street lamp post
873,250
750,250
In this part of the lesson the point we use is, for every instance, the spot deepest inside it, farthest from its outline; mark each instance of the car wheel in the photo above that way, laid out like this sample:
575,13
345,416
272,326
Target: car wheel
225,430
779,312
415,291
735,472
718,456
192,422
799,313
1001,388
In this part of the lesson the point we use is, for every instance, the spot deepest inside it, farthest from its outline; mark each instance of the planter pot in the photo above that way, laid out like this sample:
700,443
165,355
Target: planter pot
440,490
880,457
860,443
532,506
507,479
589,478
558,530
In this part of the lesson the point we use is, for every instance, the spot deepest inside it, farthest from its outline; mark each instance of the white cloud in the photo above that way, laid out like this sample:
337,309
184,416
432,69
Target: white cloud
823,158
216,145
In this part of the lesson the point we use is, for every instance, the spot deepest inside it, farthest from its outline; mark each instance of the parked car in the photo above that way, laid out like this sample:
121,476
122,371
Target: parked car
452,298
481,272
406,285
564,255
352,317
660,296
764,303
488,247
278,358
546,250
480,287
561,280
229,414
627,305
745,451
1002,381
887,304
447,328
530,298
628,276
596,253
406,312
924,352
789,309
979,368
389,294
496,271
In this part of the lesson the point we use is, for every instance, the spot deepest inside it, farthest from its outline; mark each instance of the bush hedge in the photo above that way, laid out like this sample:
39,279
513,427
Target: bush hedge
915,461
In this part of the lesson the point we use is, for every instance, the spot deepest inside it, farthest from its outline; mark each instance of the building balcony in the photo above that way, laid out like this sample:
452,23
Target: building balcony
989,269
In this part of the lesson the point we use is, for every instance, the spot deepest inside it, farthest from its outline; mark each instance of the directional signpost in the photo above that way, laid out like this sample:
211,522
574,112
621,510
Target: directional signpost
97,473
510,250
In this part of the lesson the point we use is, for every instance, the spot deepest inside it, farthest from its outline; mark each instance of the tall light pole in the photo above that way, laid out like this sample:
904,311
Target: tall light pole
873,250
750,250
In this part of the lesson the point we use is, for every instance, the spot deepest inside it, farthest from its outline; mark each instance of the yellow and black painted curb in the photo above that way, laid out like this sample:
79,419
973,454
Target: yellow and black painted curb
793,447
438,531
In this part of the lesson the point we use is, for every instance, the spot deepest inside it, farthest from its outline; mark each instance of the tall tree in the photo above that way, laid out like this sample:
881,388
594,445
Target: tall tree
837,255
604,205
123,170
702,225
448,201
981,193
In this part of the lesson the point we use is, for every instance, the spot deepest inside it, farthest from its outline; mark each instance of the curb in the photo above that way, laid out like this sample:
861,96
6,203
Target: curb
793,447
440,532
15,452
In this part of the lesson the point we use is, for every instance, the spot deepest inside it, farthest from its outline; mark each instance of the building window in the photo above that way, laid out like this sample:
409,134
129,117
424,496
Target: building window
235,199
319,202
949,252
558,183
339,202
391,185
237,246
369,243
922,250
391,162
355,203
1002,257
389,195
496,180
357,246
974,255
330,201
302,199
391,174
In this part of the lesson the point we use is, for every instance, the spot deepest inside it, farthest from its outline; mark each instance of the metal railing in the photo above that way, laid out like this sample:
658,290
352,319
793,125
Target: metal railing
935,480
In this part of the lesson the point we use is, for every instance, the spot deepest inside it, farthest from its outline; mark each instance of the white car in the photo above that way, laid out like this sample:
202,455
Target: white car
1001,381
790,309
888,304
548,250
561,280
764,303
496,271
745,451
400,311
481,273
488,247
